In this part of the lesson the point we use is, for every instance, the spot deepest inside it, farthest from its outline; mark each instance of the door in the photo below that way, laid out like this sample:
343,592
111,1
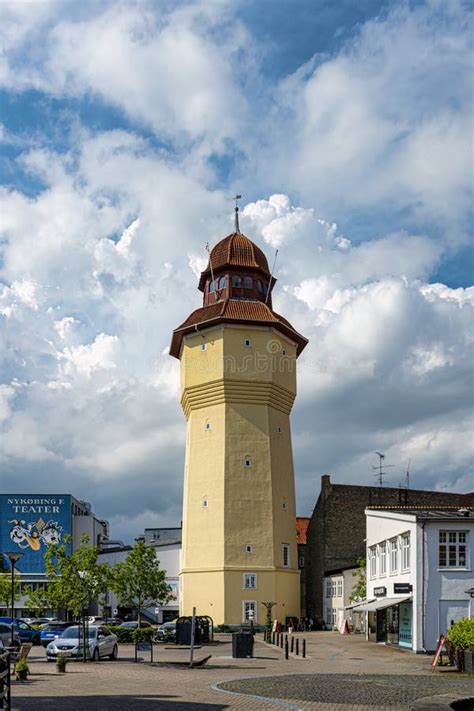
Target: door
382,625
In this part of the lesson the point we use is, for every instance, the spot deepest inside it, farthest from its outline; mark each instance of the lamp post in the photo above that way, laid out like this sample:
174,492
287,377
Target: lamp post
13,557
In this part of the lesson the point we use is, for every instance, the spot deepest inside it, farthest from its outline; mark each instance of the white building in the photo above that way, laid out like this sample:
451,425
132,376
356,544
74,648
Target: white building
168,553
338,586
419,569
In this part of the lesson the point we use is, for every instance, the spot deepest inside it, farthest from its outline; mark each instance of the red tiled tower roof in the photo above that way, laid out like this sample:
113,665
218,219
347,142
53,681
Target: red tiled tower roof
235,250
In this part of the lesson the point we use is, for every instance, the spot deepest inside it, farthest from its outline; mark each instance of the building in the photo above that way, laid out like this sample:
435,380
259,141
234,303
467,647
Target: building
161,534
338,586
336,533
419,572
302,523
30,522
238,384
168,552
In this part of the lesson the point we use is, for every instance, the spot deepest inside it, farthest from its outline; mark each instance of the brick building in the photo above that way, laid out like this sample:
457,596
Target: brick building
302,523
337,529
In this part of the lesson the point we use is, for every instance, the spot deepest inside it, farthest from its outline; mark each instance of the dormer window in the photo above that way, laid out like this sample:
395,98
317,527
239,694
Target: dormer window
248,282
223,282
236,281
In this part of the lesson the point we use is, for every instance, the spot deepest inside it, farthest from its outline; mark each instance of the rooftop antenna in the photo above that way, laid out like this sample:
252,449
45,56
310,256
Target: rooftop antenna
407,485
380,467
271,277
208,249
236,224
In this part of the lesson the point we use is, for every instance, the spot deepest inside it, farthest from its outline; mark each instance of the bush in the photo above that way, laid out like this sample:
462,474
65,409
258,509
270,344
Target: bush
22,666
222,628
461,634
143,634
125,635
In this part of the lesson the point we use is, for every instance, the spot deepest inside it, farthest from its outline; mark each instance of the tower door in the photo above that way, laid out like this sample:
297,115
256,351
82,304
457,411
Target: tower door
249,611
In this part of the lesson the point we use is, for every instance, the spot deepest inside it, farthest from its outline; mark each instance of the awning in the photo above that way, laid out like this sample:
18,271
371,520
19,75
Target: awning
356,605
383,602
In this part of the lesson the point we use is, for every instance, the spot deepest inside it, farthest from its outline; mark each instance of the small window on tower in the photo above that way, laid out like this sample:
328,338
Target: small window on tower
248,343
284,506
248,282
212,286
205,504
203,346
222,282
247,462
279,429
248,548
207,425
283,352
286,555
236,280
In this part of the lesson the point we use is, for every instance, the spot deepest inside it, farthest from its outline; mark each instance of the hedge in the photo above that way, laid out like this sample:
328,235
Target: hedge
125,635
461,634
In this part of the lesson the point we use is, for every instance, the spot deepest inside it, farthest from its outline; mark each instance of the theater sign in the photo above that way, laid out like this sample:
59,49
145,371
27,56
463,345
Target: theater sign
28,524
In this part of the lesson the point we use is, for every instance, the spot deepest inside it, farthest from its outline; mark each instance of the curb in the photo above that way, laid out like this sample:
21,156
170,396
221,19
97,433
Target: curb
277,702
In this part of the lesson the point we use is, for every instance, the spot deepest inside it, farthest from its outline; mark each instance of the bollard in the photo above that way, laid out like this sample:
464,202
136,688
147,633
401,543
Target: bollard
273,637
297,646
304,649
292,644
286,648
278,639
281,641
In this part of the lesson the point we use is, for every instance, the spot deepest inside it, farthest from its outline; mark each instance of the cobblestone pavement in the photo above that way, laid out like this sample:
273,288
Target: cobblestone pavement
124,685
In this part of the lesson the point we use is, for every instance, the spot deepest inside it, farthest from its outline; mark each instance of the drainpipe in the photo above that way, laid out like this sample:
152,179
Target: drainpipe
424,587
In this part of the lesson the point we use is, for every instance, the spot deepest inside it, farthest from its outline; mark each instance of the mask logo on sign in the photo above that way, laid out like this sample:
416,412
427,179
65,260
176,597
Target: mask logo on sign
32,534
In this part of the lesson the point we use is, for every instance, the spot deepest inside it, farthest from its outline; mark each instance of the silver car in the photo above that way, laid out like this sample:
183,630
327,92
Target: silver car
102,643
6,635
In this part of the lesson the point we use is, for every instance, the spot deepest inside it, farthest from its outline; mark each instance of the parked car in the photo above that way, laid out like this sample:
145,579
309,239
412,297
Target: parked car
102,643
96,620
114,621
133,624
6,635
25,631
53,630
37,621
166,631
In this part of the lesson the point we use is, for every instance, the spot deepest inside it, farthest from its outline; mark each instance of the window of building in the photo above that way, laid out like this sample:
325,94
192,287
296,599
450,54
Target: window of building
383,558
203,346
452,549
223,282
329,616
339,588
249,611
207,425
372,561
328,588
236,280
250,581
279,429
286,555
393,545
248,282
283,352
205,503
212,286
284,506
259,286
247,462
301,561
248,343
248,548
405,546
333,588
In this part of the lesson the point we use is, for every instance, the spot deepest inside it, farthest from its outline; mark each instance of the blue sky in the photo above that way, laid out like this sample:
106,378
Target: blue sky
126,127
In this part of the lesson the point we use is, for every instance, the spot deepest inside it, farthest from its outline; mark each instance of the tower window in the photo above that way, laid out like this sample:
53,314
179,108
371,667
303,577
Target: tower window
283,352
248,282
285,549
236,280
223,282
247,462
279,429
207,425
212,286
248,343
205,504
284,506
259,286
248,548
203,346
250,581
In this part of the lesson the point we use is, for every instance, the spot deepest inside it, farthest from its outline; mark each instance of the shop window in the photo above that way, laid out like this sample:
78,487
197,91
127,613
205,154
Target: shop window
236,281
453,549
285,549
248,282
393,544
405,546
250,581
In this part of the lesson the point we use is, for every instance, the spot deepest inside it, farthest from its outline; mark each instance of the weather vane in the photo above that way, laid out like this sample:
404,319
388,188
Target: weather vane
237,198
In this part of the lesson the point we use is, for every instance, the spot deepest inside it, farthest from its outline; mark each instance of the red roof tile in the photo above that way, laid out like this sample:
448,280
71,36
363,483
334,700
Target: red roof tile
235,250
302,523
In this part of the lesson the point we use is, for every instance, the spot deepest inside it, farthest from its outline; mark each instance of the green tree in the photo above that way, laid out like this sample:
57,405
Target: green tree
74,580
359,591
139,582
268,619
6,589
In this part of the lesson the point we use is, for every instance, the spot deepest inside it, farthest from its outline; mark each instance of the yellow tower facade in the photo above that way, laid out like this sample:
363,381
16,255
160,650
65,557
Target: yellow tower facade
238,385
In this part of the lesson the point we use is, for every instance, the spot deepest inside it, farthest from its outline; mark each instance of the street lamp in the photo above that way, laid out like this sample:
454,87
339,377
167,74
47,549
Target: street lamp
13,557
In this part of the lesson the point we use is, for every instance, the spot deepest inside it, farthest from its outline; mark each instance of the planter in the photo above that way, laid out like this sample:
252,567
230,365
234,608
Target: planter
468,666
61,668
22,675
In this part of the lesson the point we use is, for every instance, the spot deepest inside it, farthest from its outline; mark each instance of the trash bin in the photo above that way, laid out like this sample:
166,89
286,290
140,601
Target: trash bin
242,645
183,632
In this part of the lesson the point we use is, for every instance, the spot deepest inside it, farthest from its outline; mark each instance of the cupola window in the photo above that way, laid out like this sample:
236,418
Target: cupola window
236,281
223,282
248,282
259,286
212,286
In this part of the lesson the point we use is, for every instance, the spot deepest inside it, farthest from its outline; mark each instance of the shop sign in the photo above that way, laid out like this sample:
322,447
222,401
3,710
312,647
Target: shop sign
380,592
402,588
